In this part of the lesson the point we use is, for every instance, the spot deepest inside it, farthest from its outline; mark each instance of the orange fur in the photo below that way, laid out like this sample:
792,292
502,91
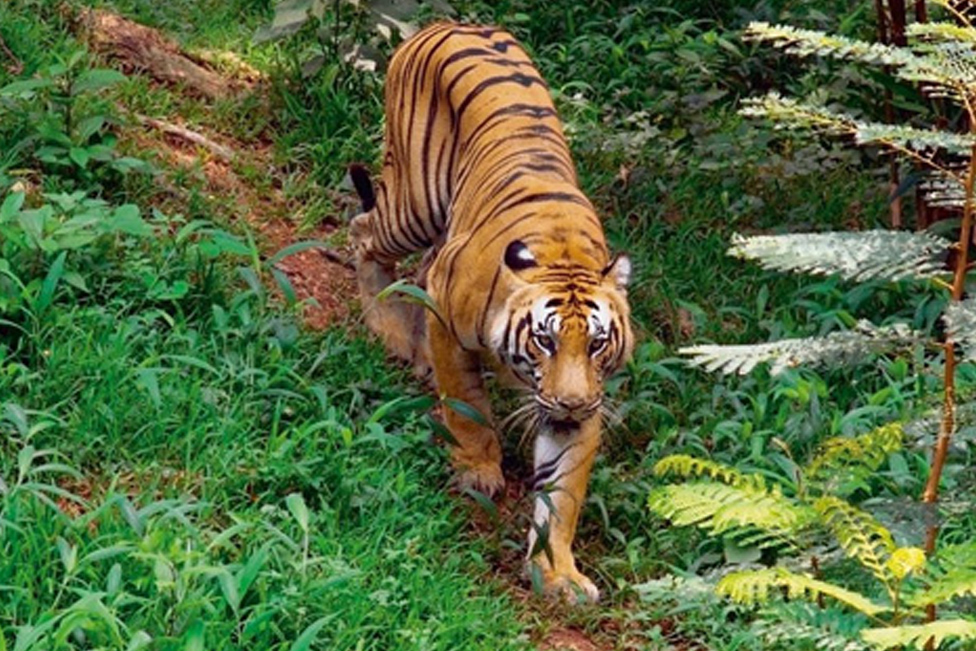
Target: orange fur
477,167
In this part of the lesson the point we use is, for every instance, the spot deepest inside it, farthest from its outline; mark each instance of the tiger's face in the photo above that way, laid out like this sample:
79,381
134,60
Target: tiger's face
564,331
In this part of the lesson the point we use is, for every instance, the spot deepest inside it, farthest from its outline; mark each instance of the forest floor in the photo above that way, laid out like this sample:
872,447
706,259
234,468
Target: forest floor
242,467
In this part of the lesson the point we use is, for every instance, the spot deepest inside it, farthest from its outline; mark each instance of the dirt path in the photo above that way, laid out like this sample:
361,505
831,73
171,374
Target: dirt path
213,161
315,274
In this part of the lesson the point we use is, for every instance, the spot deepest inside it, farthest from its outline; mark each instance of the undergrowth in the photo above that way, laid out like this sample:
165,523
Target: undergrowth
183,461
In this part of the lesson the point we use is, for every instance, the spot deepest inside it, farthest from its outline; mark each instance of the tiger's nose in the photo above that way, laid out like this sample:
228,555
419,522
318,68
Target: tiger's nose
574,408
571,405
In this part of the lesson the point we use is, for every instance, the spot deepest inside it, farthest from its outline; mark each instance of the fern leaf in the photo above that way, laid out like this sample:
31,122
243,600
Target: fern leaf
920,635
960,321
947,72
863,454
858,533
860,256
787,113
754,586
838,348
684,465
948,586
962,556
802,625
943,191
807,42
941,32
734,510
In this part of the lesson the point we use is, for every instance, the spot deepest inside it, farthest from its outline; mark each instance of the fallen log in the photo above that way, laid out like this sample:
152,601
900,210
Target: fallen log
136,48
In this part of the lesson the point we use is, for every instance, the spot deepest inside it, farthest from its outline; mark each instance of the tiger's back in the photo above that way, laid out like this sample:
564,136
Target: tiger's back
471,135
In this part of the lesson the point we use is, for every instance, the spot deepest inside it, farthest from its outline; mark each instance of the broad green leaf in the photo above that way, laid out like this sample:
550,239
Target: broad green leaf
11,206
464,409
228,586
126,219
25,87
292,249
401,404
139,640
33,221
284,284
96,79
50,284
248,573
304,641
148,379
90,126
411,294
195,637
79,155
296,505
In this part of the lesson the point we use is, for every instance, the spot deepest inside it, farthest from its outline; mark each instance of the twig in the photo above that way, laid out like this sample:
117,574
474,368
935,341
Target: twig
218,150
16,66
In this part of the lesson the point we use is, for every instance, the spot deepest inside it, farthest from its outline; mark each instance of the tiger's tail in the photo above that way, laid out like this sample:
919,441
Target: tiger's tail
364,185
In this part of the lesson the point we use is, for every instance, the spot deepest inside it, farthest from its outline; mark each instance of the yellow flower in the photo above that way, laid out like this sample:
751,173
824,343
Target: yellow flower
905,560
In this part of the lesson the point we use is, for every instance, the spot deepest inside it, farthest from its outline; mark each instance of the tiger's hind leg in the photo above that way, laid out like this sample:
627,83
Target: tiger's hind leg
399,324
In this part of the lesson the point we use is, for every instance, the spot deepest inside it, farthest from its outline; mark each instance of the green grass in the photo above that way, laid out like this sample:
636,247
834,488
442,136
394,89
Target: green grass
183,417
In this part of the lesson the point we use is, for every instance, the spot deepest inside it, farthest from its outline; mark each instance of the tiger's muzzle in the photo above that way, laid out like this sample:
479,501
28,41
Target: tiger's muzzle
566,414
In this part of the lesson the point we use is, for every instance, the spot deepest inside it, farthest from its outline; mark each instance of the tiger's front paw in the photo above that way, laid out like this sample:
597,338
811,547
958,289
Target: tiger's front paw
572,586
485,478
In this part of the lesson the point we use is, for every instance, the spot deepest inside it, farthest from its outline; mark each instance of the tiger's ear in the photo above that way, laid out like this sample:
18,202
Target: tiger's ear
518,256
618,271
364,186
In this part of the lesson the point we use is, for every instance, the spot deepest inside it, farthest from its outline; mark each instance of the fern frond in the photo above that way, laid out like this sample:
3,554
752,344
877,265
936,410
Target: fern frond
943,191
858,256
941,32
947,71
917,636
789,113
798,624
960,321
962,556
684,465
807,42
948,586
754,586
838,348
864,453
766,516
860,535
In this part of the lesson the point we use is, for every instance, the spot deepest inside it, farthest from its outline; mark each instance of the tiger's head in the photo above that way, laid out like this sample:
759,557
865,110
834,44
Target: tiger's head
564,330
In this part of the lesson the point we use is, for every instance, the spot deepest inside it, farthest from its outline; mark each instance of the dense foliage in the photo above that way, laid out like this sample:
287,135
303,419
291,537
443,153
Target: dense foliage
184,465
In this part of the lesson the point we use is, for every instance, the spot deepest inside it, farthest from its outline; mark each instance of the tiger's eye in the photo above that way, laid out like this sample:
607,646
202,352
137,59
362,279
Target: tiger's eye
545,342
597,345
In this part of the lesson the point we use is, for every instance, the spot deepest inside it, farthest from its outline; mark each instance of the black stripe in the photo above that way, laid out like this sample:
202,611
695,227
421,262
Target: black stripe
538,197
484,310
519,78
528,110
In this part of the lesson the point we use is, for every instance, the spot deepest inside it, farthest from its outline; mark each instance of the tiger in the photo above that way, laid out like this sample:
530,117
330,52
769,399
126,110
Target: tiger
478,173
